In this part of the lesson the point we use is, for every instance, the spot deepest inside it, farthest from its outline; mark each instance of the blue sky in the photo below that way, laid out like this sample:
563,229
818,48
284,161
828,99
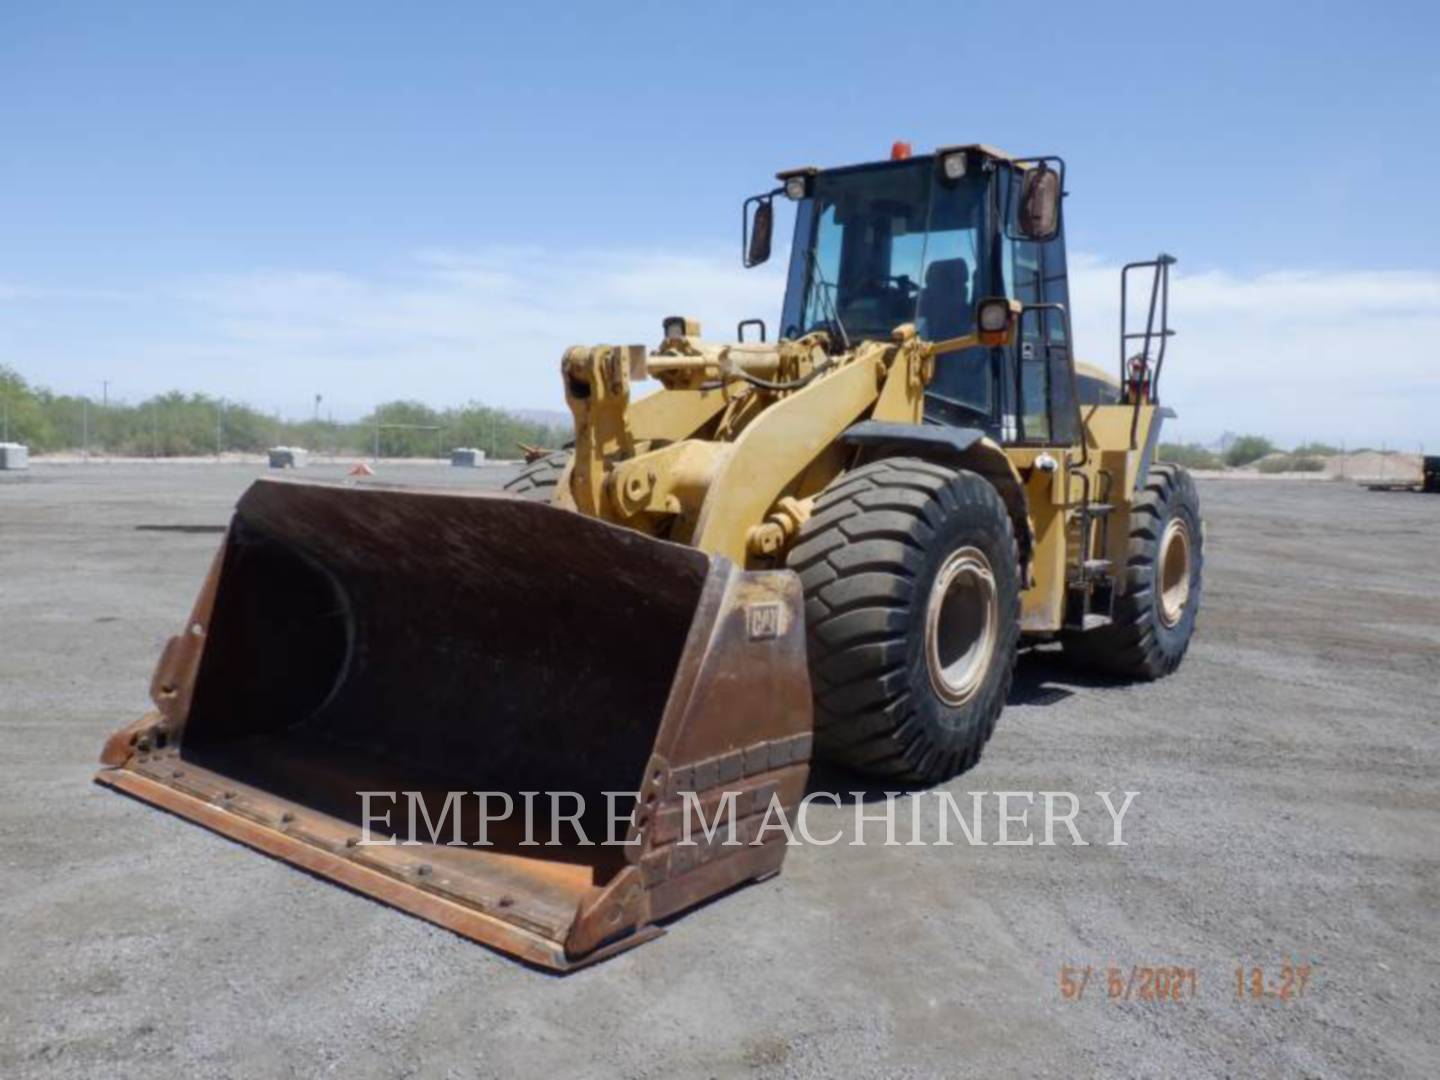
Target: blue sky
269,201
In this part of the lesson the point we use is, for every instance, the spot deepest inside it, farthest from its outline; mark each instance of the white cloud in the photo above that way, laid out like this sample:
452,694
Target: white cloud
450,326
1296,355
1342,356
15,292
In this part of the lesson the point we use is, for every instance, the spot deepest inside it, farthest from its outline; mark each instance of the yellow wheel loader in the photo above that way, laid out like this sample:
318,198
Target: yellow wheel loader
503,712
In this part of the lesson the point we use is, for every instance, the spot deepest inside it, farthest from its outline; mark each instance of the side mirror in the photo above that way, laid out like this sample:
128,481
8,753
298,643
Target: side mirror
757,228
1039,217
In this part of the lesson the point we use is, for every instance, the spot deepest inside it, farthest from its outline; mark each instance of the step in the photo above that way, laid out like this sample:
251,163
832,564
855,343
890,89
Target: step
1093,568
1095,621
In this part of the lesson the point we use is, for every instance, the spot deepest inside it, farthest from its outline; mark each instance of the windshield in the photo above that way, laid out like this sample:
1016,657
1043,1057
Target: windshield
885,245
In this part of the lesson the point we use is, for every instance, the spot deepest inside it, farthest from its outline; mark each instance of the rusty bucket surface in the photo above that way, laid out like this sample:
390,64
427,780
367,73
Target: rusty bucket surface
464,649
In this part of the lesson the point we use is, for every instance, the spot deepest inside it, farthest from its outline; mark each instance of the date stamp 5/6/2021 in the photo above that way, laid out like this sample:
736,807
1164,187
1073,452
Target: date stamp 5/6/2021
1179,983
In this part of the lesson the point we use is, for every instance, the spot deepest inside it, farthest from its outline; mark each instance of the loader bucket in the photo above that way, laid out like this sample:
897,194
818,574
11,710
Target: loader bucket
370,673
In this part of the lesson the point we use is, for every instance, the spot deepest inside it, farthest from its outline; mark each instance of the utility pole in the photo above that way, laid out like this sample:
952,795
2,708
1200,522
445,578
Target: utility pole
104,410
220,428
85,428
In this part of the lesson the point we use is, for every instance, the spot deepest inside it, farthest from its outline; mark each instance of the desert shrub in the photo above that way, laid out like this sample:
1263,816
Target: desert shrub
1248,449
1315,449
1190,455
177,424
1283,463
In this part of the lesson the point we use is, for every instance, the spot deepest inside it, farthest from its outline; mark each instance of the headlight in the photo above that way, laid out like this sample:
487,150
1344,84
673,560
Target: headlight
994,316
953,166
795,188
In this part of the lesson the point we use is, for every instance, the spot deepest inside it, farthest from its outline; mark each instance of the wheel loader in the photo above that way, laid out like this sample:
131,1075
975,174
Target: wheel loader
831,543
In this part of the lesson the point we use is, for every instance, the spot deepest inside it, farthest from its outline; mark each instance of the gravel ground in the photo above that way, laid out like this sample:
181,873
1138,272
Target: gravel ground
1288,811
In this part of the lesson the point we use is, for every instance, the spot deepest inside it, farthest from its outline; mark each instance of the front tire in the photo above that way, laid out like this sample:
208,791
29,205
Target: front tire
912,611
1155,618
538,480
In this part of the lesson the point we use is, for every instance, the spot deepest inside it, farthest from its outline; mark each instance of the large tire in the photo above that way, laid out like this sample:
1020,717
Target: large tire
1155,618
897,694
537,481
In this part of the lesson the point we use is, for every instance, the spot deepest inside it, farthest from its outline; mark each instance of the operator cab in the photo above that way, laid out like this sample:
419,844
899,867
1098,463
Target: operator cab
920,240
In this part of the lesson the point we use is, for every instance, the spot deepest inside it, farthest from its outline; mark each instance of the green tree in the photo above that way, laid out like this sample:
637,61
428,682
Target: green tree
22,417
408,436
177,423
1247,449
498,433
248,431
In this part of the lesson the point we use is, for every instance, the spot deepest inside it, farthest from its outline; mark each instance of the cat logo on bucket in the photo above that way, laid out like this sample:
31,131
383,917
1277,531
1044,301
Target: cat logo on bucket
763,621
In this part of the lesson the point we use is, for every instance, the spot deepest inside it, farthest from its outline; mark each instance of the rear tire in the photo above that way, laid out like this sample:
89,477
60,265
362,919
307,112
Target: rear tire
1155,618
912,611
538,480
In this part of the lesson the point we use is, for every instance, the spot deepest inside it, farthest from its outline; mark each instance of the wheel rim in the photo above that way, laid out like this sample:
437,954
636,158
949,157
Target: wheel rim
960,625
1174,571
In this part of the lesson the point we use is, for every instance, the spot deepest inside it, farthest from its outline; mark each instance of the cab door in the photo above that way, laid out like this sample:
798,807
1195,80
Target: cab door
1044,410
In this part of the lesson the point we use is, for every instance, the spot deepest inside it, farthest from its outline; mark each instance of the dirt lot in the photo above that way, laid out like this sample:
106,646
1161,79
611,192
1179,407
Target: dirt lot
1289,810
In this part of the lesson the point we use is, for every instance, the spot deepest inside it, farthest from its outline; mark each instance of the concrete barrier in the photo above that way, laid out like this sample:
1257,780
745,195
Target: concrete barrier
14,456
288,457
467,457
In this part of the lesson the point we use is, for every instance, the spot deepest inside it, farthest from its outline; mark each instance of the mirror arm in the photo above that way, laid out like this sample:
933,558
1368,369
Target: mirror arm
954,344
